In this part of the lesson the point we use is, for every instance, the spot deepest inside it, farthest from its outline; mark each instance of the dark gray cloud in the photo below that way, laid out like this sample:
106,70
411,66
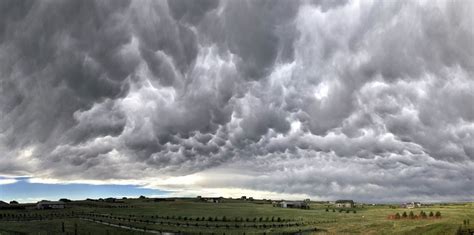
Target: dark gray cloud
323,98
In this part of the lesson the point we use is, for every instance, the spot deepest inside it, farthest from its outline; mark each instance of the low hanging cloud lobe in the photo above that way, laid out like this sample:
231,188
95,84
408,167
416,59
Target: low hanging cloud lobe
330,99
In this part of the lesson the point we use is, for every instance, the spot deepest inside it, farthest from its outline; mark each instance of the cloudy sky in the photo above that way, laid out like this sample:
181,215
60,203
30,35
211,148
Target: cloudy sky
367,100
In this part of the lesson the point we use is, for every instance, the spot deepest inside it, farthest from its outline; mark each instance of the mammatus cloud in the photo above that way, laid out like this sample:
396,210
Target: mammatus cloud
366,100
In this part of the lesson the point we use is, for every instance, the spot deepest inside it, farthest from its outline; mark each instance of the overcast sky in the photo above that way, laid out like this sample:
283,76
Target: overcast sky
367,100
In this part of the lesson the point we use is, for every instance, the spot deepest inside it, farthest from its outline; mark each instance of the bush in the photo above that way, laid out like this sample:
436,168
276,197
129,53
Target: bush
333,210
397,215
327,209
404,215
431,214
438,214
411,215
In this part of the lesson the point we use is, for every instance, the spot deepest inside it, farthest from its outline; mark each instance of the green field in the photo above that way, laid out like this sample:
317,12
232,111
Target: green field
189,216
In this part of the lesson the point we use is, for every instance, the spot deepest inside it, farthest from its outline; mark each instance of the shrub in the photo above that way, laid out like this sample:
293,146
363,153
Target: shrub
411,215
327,209
438,214
397,215
404,215
431,214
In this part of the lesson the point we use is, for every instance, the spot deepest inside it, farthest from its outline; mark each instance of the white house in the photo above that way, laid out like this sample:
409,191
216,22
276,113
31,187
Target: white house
344,203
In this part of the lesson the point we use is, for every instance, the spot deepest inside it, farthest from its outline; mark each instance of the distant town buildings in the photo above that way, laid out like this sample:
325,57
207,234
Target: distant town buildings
50,205
210,199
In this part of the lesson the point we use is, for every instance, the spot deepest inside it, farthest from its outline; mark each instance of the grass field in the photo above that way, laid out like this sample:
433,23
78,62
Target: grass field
229,217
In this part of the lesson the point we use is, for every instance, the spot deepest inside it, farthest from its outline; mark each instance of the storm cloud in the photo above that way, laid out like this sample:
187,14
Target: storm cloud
328,99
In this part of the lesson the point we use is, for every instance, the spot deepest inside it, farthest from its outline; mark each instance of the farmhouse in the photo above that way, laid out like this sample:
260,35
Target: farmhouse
291,204
344,203
50,205
412,205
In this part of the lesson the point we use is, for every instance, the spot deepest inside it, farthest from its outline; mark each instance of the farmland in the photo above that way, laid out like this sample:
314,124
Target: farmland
190,216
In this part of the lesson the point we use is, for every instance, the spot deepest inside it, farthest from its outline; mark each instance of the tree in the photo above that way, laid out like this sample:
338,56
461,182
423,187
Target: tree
142,197
411,215
64,200
13,202
422,214
438,214
404,215
431,214
397,215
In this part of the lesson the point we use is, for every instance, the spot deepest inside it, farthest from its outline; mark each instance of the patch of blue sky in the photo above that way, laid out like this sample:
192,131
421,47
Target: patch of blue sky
21,190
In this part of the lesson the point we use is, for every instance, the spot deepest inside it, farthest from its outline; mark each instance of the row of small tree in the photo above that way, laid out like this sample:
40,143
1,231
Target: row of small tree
341,210
422,215
197,219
